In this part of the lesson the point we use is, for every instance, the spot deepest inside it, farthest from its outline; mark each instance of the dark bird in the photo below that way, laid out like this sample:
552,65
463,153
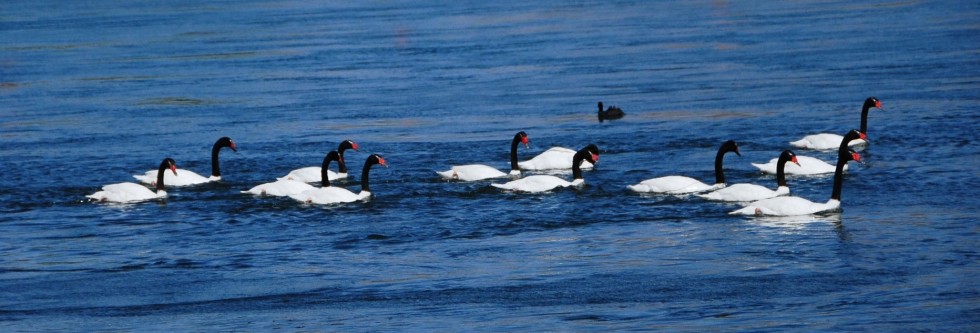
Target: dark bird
613,112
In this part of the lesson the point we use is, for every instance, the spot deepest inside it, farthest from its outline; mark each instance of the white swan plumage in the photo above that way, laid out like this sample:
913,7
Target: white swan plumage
791,206
553,158
752,192
132,192
686,185
280,188
831,141
313,175
327,194
542,183
474,172
810,165
187,177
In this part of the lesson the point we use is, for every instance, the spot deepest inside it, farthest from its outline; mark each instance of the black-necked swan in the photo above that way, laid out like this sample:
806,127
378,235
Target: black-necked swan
612,113
131,192
542,183
810,165
752,192
473,172
791,206
685,185
555,158
331,195
187,177
832,141
313,174
285,187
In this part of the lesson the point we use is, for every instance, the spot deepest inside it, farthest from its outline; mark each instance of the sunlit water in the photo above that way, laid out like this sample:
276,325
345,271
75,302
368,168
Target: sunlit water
94,92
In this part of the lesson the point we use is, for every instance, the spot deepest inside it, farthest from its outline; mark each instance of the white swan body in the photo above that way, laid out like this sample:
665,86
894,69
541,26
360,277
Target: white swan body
745,193
687,185
554,158
538,183
312,175
126,192
187,177
280,188
673,185
823,141
474,172
752,192
790,206
808,166
543,183
132,192
327,194
787,206
832,141
183,178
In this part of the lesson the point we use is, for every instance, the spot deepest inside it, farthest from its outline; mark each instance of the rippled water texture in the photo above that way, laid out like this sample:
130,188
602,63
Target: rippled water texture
93,92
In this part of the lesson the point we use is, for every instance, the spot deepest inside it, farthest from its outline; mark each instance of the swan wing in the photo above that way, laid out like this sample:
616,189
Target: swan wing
672,185
183,178
326,196
742,193
536,183
471,172
125,192
282,187
553,158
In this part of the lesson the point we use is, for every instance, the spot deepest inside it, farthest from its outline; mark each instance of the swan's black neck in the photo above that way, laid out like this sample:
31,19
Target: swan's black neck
365,174
781,169
215,166
164,167
577,164
839,176
864,117
324,169
513,150
341,165
221,143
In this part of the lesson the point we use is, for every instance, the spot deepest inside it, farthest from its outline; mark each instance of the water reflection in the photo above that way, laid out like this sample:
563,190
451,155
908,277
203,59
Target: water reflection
794,223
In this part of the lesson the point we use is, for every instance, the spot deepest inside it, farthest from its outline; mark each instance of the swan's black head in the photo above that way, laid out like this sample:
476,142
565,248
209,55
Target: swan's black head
789,156
854,135
729,146
347,144
376,159
226,142
849,155
523,137
590,153
169,163
600,107
872,102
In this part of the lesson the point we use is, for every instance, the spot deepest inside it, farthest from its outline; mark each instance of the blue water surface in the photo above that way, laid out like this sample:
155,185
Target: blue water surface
93,92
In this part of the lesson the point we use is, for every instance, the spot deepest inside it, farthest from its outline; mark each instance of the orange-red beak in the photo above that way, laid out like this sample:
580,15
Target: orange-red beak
795,161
